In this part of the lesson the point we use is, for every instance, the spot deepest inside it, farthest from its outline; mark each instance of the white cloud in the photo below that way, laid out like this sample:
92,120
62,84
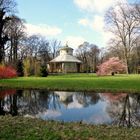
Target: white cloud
84,22
96,10
93,5
42,29
98,6
74,41
84,4
49,114
97,24
106,36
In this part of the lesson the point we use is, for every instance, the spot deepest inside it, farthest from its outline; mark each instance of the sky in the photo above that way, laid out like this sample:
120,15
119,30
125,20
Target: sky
68,21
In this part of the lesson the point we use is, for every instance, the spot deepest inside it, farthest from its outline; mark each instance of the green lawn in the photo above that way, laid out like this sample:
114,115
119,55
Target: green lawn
19,128
77,82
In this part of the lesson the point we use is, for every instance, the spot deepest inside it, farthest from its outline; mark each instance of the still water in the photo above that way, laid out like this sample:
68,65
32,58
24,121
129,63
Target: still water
86,107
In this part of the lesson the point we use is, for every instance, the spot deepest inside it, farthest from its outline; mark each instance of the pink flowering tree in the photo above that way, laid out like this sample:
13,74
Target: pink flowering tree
111,66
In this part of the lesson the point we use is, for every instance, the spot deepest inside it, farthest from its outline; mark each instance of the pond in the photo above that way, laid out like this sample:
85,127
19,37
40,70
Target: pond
86,107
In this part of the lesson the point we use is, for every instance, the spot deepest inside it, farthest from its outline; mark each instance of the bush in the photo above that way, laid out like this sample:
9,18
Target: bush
7,72
43,71
20,70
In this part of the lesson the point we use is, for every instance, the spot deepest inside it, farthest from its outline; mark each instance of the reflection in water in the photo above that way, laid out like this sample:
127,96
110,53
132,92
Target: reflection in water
125,111
97,108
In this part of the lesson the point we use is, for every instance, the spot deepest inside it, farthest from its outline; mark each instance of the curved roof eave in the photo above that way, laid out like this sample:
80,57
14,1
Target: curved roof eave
65,58
66,61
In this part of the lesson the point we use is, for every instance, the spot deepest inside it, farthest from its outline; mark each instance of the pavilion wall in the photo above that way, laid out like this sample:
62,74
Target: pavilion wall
64,67
69,67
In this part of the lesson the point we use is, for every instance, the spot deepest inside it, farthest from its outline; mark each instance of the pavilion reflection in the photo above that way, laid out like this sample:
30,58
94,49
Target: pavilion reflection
119,109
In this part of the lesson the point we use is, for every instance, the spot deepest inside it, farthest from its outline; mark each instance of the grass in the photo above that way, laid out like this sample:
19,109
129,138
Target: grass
77,82
19,128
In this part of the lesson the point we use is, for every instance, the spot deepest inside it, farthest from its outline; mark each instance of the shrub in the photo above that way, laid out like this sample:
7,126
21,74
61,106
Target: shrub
7,72
43,71
19,67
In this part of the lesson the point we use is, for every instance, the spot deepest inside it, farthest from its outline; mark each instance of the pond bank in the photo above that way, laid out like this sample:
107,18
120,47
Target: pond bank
20,128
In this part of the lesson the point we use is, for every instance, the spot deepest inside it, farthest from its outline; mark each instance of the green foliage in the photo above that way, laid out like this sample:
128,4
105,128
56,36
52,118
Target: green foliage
31,67
43,71
27,68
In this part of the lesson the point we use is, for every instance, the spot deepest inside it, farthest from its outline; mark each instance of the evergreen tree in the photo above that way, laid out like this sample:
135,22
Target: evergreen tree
43,71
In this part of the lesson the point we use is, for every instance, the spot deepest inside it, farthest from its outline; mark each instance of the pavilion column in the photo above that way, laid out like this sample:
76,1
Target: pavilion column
62,66
52,67
55,67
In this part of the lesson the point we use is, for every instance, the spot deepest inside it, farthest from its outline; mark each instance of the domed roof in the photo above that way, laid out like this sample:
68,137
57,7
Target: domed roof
66,58
66,55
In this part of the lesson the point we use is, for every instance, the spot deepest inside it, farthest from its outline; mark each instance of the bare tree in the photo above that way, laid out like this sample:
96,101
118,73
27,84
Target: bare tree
82,54
55,46
125,27
94,56
6,8
89,54
15,31
44,52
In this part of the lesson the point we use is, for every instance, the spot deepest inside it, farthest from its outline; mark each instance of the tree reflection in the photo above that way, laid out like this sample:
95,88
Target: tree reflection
125,111
87,98
27,102
10,103
121,109
33,101
83,98
13,105
2,112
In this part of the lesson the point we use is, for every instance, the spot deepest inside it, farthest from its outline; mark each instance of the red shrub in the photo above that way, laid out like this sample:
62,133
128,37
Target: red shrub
7,72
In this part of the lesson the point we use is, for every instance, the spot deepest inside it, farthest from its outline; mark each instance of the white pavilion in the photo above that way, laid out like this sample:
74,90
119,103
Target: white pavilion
65,62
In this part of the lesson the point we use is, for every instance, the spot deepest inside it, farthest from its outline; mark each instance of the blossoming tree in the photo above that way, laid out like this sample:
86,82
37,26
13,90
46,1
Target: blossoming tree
111,66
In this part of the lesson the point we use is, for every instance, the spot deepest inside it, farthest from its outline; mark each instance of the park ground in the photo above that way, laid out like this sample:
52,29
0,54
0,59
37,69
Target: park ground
21,128
77,82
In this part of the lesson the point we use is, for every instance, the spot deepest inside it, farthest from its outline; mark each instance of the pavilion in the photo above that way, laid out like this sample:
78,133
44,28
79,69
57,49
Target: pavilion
65,62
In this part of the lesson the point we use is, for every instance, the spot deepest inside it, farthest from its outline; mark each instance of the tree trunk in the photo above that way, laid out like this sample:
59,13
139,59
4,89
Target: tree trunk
1,54
113,73
127,67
